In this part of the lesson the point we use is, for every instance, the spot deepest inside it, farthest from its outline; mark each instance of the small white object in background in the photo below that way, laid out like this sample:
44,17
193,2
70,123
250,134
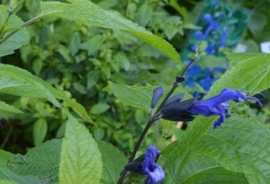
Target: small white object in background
265,47
240,48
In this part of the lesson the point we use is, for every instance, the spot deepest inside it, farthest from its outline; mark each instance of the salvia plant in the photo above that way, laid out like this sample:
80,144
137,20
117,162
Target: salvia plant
217,146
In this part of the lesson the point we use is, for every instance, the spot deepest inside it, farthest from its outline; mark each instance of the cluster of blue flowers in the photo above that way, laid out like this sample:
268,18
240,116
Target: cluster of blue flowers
203,76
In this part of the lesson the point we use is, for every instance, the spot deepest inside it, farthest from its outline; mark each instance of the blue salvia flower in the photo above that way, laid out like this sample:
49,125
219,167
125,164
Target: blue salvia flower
214,106
146,165
1,124
150,168
213,25
218,105
157,94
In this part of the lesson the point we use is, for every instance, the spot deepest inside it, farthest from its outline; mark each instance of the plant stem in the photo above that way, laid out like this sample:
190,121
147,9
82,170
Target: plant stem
9,34
148,125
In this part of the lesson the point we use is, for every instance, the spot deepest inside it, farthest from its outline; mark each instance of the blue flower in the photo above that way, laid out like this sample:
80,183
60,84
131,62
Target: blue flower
215,106
213,25
149,166
1,124
157,94
218,105
146,165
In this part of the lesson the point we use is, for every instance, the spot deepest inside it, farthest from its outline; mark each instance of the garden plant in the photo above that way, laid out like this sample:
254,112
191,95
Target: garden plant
91,92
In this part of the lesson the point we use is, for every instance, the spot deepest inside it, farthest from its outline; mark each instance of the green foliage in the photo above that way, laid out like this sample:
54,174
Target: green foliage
78,58
249,73
80,156
113,162
17,40
17,80
240,146
9,108
40,131
106,19
42,161
188,141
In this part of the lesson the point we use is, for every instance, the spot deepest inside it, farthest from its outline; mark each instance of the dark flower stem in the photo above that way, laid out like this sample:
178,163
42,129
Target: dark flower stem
151,119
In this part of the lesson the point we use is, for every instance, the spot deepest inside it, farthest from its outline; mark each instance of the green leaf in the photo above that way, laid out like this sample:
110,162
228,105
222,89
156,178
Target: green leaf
177,152
18,39
131,96
99,108
139,97
42,161
92,78
9,108
215,175
37,66
5,156
21,76
87,12
144,14
39,131
197,168
236,58
240,145
257,22
247,75
80,110
7,182
6,174
9,176
80,156
113,162
79,87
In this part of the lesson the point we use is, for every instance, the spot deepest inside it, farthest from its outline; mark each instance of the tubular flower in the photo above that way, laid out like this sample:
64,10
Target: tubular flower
218,105
215,106
146,165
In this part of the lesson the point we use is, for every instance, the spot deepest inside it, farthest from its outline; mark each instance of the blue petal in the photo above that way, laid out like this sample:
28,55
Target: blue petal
157,175
157,94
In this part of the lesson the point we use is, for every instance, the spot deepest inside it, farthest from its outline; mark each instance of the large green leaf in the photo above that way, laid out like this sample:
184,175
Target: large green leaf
18,39
22,87
197,168
80,110
9,108
5,156
42,161
131,96
89,13
177,152
113,162
80,156
8,175
252,72
240,145
24,77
